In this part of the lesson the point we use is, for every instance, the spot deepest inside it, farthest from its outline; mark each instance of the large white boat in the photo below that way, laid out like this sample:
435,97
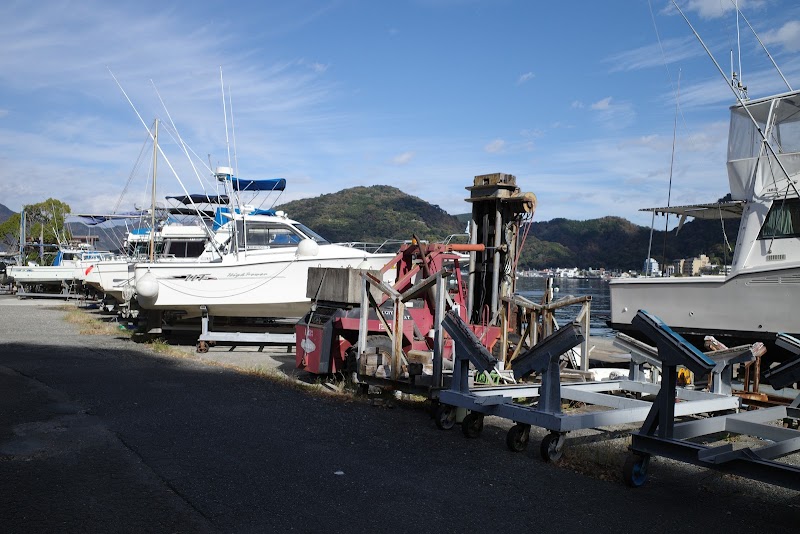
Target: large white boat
759,296
263,268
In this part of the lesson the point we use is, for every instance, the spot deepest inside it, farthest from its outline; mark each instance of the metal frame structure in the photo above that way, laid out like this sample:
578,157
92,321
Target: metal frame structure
209,337
660,435
543,358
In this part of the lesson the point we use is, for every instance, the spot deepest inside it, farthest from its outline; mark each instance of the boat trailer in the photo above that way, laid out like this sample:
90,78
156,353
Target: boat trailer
543,358
661,435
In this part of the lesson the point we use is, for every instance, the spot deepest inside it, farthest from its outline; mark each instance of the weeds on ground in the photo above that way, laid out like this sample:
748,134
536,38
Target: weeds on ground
92,325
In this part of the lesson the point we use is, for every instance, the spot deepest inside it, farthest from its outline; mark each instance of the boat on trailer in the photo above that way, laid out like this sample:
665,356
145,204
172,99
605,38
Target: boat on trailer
62,278
262,270
114,277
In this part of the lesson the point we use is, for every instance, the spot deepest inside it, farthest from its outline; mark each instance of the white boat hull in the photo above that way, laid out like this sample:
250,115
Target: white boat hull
114,278
748,306
42,274
252,287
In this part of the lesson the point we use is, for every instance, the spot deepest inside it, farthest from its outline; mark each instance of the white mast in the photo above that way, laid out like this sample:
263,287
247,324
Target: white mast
153,203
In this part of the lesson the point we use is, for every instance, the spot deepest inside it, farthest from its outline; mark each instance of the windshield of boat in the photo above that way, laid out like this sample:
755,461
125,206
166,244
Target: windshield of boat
312,234
184,248
783,220
266,235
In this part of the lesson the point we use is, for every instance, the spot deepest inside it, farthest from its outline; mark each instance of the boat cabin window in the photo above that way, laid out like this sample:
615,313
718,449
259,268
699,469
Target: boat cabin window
185,248
266,235
744,141
142,250
312,234
783,220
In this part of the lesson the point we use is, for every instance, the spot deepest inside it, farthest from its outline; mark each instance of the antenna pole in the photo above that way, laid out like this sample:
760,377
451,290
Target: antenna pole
739,46
764,47
153,199
225,113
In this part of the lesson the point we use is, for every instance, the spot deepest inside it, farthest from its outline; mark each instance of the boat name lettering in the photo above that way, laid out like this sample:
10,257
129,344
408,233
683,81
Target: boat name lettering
248,275
196,277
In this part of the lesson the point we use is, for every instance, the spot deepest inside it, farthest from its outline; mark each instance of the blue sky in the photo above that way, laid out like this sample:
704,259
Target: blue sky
577,99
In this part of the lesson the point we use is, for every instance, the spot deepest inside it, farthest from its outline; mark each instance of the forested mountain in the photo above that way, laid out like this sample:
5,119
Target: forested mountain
382,212
615,243
373,213
5,213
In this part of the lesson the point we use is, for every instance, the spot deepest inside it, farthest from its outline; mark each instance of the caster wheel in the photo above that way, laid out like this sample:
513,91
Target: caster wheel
472,425
551,447
634,473
444,416
517,437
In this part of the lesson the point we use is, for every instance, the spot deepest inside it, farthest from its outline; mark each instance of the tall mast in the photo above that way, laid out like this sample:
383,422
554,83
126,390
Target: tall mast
153,203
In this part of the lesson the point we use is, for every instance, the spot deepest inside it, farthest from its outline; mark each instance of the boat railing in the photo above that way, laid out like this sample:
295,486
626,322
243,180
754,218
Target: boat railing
387,246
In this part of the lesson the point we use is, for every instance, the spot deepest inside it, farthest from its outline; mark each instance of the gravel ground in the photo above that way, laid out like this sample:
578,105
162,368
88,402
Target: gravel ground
98,434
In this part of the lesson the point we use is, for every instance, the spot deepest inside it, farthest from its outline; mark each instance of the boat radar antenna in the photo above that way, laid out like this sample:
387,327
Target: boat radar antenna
737,79
774,64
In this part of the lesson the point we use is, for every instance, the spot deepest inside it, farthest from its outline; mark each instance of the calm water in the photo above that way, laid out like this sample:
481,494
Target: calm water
533,289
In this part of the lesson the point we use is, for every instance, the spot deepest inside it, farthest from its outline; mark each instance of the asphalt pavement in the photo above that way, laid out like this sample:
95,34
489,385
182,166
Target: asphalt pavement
99,434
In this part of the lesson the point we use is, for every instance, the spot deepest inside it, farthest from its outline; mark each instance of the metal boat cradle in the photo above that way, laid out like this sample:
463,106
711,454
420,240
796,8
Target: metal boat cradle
660,435
543,358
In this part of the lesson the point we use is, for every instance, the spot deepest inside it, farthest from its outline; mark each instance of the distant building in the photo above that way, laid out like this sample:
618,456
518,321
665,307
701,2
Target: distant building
691,267
651,268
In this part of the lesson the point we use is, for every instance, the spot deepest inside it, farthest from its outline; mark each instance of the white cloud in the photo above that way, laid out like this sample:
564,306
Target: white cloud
525,77
712,9
577,104
613,115
403,159
602,104
787,36
670,51
495,146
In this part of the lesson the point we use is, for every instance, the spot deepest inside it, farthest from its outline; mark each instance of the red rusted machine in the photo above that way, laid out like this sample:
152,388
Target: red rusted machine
337,336
331,329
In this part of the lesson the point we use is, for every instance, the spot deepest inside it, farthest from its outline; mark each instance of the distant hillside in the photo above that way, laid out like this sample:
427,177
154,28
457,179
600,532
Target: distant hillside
372,213
615,243
5,213
382,212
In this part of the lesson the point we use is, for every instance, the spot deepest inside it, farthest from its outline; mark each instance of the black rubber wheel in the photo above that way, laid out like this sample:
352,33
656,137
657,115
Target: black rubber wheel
634,473
549,448
518,437
444,416
472,425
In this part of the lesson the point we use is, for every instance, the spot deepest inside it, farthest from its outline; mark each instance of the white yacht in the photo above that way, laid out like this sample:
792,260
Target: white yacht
759,296
262,270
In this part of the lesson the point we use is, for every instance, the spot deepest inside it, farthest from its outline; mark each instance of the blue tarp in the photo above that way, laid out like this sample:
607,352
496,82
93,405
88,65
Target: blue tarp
274,184
201,199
